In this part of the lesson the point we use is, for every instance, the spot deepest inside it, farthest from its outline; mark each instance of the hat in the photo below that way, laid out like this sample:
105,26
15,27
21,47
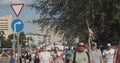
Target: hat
108,44
93,43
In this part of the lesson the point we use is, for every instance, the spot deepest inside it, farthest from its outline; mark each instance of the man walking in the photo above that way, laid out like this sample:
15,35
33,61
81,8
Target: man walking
68,54
108,54
45,56
80,56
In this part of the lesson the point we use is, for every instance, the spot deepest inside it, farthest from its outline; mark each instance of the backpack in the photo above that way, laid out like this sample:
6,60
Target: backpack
74,57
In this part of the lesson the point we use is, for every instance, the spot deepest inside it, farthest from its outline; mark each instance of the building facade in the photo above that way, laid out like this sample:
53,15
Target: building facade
45,36
5,25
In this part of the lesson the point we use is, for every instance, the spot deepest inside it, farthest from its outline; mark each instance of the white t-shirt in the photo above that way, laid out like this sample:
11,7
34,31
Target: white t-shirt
44,57
109,55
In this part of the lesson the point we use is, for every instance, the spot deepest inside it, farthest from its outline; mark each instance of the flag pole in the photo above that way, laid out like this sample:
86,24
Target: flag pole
91,34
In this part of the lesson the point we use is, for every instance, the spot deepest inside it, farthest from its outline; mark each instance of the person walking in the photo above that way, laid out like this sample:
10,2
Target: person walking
117,54
57,55
108,54
80,56
28,57
36,58
95,52
68,53
44,56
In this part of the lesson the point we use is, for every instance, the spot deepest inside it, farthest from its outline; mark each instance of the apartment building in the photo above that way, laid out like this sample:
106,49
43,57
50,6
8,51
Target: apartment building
46,35
5,25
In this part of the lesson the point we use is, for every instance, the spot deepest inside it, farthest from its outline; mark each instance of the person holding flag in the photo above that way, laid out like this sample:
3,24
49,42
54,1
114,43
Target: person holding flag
92,47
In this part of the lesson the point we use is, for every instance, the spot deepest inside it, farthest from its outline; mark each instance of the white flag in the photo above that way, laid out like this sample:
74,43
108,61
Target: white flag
90,31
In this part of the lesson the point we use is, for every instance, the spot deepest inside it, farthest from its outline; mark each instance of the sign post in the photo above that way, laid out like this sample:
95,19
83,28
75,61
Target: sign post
17,26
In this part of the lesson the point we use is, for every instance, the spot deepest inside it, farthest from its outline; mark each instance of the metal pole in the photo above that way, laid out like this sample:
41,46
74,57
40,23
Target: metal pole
17,38
18,48
0,43
14,43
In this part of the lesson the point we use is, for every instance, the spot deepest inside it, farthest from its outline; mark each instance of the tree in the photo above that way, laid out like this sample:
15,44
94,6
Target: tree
70,16
4,42
22,39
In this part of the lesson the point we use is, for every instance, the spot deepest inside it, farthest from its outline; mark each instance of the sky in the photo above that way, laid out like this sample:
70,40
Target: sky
27,14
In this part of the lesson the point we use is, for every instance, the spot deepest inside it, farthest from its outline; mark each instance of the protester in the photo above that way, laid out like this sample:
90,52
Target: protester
12,59
57,55
80,56
68,54
45,56
27,57
95,51
5,58
36,59
108,54
117,54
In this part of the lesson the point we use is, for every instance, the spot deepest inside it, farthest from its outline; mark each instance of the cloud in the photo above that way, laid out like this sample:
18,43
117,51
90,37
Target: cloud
5,2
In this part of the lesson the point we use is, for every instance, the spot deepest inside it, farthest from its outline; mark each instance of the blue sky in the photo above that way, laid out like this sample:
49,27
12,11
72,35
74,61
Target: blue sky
27,14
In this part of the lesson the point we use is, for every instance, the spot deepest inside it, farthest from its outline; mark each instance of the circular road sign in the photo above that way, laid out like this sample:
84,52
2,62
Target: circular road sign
17,25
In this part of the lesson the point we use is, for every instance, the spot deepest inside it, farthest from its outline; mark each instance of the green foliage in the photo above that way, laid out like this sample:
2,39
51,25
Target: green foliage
22,39
70,16
8,43
4,43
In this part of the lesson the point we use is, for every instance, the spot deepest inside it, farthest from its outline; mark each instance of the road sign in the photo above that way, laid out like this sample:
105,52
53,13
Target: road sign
17,25
17,8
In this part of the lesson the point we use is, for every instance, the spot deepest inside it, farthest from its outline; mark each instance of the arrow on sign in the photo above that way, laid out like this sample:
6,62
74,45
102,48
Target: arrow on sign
17,8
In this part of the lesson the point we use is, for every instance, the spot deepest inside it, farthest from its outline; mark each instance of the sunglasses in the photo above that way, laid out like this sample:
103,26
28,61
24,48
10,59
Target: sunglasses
93,45
81,45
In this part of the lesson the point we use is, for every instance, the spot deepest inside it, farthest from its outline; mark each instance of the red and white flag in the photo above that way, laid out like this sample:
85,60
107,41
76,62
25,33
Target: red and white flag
90,31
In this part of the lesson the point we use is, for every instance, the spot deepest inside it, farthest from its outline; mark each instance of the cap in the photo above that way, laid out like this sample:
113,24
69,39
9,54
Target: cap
93,43
108,44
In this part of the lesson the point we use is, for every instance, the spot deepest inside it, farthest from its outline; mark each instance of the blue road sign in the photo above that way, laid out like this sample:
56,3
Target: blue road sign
17,25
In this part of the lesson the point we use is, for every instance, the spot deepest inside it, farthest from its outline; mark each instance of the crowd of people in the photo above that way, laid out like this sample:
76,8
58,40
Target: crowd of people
81,53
